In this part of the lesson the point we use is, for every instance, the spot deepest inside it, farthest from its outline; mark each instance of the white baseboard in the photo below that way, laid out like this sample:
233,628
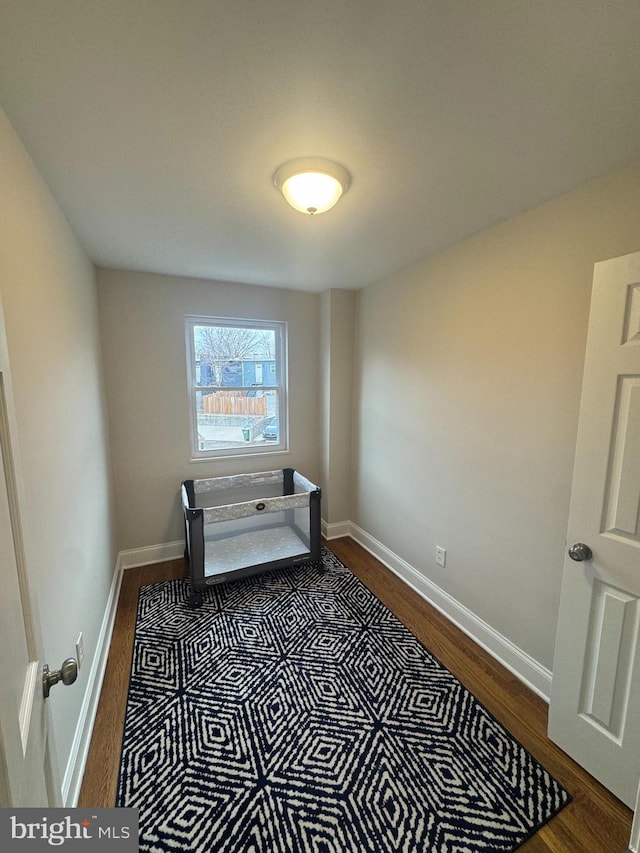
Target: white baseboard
634,840
522,665
72,780
336,529
151,554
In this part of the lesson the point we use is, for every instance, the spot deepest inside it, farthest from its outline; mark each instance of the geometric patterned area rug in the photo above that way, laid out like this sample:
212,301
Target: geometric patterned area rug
294,713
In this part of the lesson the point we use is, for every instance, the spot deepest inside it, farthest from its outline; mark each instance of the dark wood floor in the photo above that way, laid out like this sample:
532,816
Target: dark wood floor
595,822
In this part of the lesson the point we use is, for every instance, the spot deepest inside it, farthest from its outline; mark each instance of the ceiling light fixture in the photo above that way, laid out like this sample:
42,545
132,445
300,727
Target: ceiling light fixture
312,184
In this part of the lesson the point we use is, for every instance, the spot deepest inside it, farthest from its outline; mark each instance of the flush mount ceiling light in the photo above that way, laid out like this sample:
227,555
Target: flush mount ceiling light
312,184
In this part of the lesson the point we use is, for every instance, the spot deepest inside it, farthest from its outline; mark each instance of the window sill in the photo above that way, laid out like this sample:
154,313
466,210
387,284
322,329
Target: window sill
256,454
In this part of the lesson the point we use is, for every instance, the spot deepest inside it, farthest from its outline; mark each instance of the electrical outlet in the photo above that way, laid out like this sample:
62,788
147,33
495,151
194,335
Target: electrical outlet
80,649
441,556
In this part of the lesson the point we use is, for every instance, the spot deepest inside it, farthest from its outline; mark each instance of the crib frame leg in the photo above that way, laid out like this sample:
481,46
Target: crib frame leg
195,599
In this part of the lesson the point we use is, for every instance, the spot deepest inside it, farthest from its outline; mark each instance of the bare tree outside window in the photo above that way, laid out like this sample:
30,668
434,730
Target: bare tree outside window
216,346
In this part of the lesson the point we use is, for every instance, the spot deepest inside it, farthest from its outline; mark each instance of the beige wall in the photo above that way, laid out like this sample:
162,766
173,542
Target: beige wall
338,316
142,318
49,298
325,399
468,374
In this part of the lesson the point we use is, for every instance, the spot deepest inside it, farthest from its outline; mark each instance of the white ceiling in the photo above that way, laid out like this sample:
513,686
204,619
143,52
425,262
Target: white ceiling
158,124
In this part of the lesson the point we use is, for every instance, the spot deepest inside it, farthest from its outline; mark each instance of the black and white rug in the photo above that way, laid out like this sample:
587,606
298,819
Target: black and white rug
294,713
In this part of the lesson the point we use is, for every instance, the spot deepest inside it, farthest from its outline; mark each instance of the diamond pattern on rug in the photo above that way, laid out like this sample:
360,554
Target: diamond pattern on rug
294,713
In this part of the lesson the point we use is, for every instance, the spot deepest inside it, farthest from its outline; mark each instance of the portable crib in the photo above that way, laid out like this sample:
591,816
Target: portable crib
248,523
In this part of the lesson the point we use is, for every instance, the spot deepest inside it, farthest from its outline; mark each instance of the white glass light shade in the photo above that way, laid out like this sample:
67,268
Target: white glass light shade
311,192
312,185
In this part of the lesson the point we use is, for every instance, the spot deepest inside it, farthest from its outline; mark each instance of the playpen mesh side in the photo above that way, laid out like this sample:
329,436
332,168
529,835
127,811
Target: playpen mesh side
301,484
240,542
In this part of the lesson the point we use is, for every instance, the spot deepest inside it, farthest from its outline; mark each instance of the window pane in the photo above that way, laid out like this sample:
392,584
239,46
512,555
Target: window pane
229,419
233,356
236,370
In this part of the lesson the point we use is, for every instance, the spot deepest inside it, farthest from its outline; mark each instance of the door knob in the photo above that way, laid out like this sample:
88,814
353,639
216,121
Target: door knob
67,674
580,552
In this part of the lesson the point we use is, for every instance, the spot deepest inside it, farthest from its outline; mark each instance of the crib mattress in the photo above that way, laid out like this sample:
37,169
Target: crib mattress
250,548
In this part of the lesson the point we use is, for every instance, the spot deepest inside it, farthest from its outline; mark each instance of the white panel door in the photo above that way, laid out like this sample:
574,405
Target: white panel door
23,730
594,713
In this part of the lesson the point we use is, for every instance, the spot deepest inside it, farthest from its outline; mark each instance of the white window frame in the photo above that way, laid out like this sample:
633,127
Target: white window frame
281,372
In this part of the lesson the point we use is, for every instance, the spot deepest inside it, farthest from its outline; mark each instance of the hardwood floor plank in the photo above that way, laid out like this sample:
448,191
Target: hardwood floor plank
595,822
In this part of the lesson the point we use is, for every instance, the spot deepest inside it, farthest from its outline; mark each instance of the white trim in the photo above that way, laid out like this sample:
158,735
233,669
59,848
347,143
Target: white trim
151,554
518,662
336,529
286,452
280,328
26,705
84,729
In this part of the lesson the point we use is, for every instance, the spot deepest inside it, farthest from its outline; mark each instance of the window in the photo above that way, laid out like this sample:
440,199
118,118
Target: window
237,386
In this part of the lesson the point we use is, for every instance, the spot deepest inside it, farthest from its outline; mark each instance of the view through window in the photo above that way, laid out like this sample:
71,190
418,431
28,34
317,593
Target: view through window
237,373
